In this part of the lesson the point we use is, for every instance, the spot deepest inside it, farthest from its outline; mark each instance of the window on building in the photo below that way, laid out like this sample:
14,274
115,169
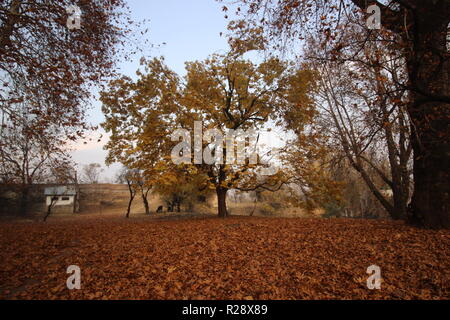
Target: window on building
65,198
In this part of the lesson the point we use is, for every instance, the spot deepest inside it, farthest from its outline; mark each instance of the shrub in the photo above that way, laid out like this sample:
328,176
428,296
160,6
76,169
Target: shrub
275,205
332,209
267,210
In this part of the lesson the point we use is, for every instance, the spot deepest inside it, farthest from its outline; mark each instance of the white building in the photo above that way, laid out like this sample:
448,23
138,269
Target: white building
63,199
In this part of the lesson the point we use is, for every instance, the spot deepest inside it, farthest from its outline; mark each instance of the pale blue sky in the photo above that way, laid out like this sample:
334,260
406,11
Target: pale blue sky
190,30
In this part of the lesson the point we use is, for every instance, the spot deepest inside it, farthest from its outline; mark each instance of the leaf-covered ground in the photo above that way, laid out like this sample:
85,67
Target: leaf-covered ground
234,258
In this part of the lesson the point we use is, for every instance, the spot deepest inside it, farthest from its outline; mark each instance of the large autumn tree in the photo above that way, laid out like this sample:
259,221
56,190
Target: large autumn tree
138,119
362,105
51,67
223,93
48,70
418,30
228,92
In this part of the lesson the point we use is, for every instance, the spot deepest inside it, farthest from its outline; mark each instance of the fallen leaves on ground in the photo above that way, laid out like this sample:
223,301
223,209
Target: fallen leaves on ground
233,258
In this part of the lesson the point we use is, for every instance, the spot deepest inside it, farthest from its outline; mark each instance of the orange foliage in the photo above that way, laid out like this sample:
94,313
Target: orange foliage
262,258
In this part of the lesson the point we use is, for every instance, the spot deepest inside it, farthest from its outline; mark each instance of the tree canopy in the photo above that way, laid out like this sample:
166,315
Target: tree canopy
224,92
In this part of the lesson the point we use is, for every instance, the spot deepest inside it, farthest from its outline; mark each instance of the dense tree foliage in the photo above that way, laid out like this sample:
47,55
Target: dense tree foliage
414,30
224,92
47,74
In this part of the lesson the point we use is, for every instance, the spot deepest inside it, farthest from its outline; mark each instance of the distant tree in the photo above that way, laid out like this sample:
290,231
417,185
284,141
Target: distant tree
136,117
143,187
128,176
25,158
178,186
91,173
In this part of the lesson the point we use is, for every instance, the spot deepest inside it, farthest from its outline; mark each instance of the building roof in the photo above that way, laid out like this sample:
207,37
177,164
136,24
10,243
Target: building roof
60,191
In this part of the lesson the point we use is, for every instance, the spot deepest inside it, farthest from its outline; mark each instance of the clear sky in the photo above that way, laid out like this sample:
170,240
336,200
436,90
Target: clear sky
190,30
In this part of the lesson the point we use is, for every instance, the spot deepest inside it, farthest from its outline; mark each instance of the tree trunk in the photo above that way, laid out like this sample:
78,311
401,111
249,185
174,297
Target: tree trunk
49,209
399,189
429,75
222,201
132,194
430,205
129,206
146,206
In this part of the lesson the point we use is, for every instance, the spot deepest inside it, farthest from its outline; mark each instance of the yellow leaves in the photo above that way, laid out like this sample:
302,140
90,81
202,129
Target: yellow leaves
171,269
245,37
160,290
178,285
96,295
224,91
